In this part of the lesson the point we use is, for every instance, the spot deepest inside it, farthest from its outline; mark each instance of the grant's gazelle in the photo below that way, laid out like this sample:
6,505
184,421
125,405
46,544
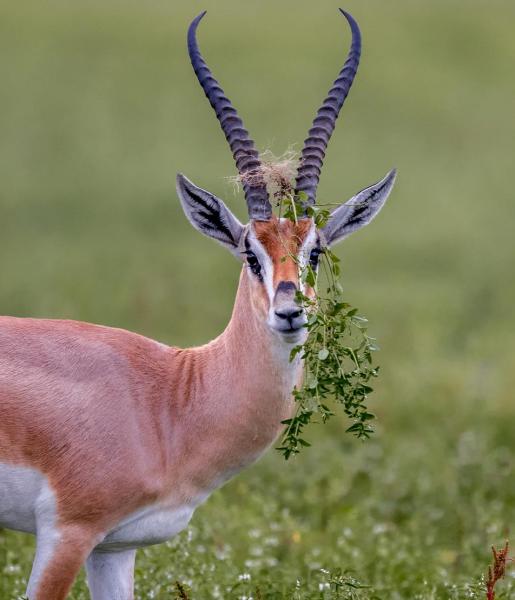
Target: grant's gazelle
110,440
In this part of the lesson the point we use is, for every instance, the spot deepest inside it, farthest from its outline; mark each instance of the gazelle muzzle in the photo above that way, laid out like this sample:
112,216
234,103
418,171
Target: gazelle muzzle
289,316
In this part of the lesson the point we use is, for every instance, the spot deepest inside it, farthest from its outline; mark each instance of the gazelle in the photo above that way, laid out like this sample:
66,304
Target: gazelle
110,440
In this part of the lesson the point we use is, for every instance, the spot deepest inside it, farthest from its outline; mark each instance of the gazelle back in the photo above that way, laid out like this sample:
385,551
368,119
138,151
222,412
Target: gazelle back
110,440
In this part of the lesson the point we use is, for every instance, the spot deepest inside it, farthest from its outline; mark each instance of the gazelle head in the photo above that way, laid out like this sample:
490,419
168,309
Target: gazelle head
275,250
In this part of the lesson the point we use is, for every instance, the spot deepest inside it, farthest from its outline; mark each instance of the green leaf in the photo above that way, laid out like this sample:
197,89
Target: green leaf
303,443
312,383
323,353
367,416
354,427
295,351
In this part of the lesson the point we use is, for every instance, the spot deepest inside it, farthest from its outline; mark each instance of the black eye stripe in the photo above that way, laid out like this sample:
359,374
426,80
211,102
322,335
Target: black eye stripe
314,256
252,261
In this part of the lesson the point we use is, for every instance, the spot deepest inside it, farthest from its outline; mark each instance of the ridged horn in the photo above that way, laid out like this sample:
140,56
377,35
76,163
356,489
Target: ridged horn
313,153
242,146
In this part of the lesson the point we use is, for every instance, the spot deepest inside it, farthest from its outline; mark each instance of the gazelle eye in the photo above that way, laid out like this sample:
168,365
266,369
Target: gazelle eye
253,263
313,258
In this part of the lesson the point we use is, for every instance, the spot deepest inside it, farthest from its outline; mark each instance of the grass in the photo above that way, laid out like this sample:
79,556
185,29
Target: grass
99,109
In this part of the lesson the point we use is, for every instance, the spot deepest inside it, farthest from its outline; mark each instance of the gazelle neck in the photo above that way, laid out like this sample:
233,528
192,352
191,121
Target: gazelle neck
236,391
253,346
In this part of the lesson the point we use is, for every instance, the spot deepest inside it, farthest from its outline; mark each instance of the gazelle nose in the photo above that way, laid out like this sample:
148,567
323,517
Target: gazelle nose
289,313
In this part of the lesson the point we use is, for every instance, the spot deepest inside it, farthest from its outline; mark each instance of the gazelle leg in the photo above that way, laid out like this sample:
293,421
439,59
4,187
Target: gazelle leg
59,557
46,542
110,575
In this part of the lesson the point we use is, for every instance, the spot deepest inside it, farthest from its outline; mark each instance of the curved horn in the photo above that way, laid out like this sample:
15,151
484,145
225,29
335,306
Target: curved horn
313,153
242,146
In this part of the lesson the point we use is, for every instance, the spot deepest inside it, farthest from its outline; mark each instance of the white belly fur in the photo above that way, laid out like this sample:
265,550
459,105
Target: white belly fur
25,497
27,502
150,525
159,522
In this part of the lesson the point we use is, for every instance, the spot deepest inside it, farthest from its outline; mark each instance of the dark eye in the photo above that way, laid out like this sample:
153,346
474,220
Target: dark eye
313,258
253,263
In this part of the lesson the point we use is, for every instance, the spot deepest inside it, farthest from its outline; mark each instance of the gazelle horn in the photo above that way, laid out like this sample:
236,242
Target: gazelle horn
315,145
242,146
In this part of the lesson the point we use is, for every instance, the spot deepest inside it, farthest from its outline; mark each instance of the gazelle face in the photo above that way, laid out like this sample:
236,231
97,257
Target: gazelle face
275,253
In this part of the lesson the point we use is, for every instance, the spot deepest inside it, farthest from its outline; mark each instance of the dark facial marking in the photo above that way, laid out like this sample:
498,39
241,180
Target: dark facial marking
252,261
286,287
315,253
211,218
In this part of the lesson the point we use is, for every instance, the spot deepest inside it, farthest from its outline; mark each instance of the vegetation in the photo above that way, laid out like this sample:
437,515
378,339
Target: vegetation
497,571
337,354
99,109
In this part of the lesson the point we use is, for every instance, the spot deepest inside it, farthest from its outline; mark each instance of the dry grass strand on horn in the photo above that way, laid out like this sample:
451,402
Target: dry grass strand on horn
277,171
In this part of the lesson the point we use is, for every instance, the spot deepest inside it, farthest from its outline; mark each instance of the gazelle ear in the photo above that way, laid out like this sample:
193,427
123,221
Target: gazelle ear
359,210
209,215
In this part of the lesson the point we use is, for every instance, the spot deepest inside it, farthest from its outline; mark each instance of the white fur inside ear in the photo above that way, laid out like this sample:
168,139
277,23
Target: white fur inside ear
209,215
359,210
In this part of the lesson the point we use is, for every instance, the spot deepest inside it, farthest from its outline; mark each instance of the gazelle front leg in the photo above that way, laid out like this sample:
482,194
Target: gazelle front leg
60,553
110,575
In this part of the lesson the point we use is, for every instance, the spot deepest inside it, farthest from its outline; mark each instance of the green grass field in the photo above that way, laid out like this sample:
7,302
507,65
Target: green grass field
98,111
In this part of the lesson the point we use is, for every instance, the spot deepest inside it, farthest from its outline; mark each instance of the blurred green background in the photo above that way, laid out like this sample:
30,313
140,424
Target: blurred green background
99,109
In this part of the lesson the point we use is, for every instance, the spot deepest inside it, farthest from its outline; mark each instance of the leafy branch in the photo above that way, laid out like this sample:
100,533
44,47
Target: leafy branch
337,353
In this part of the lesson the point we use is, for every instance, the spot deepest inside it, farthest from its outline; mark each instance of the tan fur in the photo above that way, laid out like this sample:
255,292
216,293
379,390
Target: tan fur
282,240
72,550
116,421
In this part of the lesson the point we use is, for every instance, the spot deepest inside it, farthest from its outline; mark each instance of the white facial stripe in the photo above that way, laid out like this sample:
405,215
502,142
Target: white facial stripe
305,250
267,267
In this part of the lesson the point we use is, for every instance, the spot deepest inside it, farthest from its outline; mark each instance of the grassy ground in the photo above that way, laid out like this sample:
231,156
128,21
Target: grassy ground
99,109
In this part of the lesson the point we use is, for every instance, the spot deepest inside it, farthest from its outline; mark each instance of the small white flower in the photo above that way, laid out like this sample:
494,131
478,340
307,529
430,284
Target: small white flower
379,528
271,541
253,563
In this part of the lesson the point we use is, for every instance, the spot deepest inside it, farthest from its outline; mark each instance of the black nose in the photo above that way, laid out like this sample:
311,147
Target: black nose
289,313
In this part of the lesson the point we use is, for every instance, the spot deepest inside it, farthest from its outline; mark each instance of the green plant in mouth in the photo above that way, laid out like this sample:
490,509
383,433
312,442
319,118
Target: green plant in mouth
337,353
